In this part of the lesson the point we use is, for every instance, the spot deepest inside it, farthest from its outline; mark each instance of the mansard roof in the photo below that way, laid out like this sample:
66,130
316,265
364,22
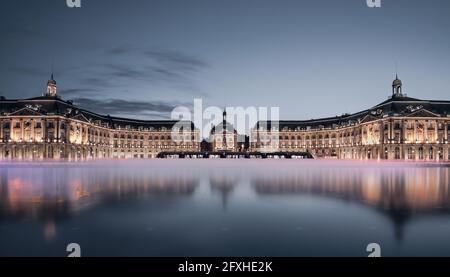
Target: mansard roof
395,106
56,106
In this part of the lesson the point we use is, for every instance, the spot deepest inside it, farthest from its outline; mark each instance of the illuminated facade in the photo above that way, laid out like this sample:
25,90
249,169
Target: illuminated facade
48,127
400,128
224,136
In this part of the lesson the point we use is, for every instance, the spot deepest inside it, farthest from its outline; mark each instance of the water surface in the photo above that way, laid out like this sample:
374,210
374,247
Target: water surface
224,208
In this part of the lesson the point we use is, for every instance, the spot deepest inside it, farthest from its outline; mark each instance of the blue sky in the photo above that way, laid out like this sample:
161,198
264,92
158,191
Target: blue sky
311,58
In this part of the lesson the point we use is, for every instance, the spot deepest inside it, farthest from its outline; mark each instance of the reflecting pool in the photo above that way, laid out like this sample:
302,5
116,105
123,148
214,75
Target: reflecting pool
224,208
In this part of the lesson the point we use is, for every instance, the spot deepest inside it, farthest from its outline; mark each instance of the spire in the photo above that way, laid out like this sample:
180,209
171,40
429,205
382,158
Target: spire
51,78
224,115
51,87
397,87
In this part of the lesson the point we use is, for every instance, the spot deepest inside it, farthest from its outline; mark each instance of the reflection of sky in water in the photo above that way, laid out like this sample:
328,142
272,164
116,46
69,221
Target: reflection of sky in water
225,208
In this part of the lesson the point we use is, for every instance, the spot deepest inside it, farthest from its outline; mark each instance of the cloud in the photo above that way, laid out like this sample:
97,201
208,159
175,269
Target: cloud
157,65
123,71
119,107
176,60
98,82
166,57
23,70
71,92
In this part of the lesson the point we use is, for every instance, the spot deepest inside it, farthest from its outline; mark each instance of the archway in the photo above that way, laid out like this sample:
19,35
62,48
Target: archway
397,153
421,153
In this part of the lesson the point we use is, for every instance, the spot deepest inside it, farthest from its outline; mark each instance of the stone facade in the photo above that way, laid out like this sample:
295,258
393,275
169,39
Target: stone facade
48,127
401,128
224,137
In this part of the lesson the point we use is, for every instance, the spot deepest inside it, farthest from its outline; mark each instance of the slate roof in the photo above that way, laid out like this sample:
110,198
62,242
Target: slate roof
396,106
46,105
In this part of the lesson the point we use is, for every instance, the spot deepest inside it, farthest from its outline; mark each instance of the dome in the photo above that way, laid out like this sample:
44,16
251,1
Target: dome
397,82
51,87
51,81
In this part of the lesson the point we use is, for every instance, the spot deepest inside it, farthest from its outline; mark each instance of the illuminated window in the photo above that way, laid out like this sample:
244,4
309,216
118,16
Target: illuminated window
420,153
397,153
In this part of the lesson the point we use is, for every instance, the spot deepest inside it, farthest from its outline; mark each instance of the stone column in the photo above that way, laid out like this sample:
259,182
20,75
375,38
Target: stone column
402,132
44,130
446,130
415,132
58,135
436,137
389,131
22,131
32,131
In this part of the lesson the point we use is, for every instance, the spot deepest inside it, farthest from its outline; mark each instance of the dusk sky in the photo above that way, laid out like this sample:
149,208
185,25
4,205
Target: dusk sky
140,58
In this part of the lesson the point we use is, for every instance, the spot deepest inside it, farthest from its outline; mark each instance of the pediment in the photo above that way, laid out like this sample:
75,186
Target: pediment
26,112
423,113
81,117
368,118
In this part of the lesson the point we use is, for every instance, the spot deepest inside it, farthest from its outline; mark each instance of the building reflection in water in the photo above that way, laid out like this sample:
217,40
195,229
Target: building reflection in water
51,195
223,184
399,193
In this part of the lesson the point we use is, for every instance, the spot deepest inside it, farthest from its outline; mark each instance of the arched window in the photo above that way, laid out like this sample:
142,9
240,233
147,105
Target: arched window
441,153
410,153
420,153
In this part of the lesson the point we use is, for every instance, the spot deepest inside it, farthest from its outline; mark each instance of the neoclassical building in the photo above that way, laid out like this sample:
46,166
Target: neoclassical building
400,128
47,127
223,136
